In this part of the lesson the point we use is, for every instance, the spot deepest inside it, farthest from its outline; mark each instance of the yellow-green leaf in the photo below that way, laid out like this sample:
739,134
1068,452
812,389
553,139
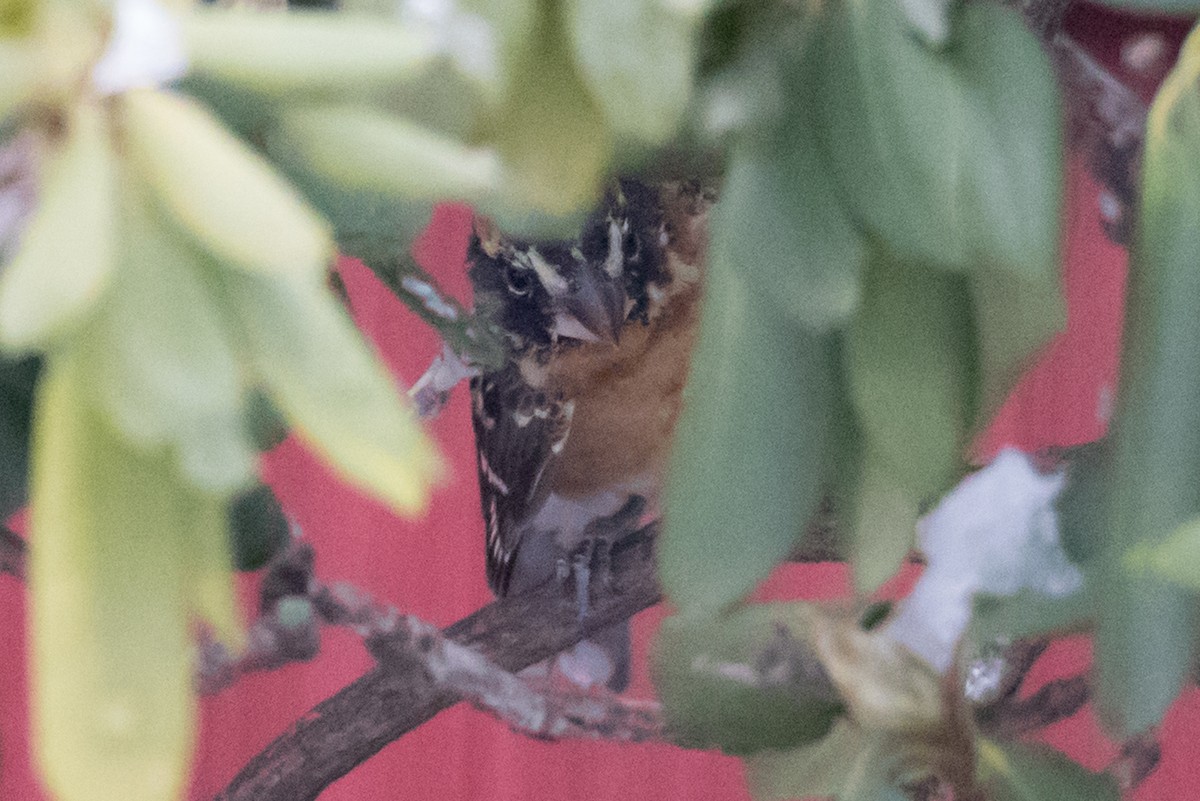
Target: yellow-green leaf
322,376
19,69
303,51
848,764
208,568
370,150
162,365
883,526
66,253
636,57
221,192
113,713
1176,558
554,140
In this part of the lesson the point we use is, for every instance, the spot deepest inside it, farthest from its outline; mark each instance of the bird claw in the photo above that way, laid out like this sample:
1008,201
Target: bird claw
590,563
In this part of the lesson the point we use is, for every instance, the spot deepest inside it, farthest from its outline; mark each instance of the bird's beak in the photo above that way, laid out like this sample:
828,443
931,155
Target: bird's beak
594,312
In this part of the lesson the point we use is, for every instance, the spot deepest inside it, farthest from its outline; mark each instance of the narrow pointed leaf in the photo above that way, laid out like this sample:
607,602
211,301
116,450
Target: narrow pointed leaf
1147,628
162,364
366,149
208,569
113,712
636,57
322,376
552,137
66,254
910,367
739,464
304,52
226,196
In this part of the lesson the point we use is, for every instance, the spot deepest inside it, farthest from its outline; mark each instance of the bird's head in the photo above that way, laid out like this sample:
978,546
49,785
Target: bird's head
539,294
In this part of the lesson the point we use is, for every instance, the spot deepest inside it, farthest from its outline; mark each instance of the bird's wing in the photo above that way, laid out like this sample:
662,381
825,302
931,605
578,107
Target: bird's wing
519,432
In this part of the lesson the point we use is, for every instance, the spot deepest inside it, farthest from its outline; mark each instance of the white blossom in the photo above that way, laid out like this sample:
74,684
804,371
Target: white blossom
145,49
995,533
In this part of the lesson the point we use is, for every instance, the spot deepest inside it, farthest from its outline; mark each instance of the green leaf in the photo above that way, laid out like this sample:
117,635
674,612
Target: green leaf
322,376
257,527
1147,627
1022,772
930,19
18,65
1029,614
553,139
740,466
113,713
783,226
953,157
208,571
219,191
1176,558
883,525
1014,317
891,128
365,149
706,669
1010,142
68,247
849,764
160,359
1083,504
304,53
909,361
636,57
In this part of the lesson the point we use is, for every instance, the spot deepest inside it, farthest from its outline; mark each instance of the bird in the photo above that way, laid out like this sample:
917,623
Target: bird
573,431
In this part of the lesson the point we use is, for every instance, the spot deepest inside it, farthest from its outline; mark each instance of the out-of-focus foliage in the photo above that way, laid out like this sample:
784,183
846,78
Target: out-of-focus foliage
882,265
1146,625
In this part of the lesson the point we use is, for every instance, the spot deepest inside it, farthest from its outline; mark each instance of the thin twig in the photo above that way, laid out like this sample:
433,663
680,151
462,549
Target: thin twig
1106,119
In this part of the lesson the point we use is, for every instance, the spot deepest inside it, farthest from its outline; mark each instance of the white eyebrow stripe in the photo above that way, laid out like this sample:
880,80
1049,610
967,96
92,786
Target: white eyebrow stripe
614,264
554,283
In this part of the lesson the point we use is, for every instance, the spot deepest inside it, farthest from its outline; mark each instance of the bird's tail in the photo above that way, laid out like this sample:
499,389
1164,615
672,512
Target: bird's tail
606,657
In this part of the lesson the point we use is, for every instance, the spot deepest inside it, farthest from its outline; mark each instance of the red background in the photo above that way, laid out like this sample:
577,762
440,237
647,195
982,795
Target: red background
434,568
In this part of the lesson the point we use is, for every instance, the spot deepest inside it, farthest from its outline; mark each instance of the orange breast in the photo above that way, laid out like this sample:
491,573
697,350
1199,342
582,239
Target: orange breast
627,399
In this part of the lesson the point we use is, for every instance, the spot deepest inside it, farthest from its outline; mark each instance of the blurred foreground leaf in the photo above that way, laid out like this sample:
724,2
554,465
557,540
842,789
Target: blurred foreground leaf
113,711
1147,628
745,476
713,677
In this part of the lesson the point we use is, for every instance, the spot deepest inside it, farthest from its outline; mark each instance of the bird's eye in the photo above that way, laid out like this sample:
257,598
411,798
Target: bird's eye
519,281
632,246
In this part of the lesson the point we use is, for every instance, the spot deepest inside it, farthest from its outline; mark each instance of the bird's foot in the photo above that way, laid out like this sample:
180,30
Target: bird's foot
589,563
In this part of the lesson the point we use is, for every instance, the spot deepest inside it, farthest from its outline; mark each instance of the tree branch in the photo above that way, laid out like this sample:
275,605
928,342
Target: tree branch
400,694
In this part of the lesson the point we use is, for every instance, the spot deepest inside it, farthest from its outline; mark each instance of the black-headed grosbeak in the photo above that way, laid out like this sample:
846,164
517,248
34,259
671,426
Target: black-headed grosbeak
576,427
